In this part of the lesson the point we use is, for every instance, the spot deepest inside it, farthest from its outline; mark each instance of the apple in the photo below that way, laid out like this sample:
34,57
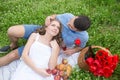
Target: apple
62,67
61,73
65,77
57,77
54,71
68,69
48,71
64,61
57,67
69,66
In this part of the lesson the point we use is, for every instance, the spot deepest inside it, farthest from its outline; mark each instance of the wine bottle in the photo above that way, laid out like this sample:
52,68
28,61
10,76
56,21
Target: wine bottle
89,53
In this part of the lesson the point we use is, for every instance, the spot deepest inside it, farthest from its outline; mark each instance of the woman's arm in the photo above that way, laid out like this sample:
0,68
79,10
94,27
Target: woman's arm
28,60
25,54
54,54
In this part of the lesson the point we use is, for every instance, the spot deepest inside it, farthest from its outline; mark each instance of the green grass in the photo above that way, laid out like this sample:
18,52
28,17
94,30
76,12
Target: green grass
105,16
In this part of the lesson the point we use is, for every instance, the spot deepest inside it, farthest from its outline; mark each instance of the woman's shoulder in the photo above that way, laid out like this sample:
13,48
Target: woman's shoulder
34,35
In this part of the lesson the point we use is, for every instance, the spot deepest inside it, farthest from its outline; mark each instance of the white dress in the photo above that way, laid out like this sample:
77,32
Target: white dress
40,54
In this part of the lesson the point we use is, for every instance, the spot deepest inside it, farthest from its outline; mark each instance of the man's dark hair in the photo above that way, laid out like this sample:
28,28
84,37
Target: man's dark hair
82,23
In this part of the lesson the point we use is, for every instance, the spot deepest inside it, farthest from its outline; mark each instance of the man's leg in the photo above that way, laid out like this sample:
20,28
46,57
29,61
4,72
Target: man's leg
13,55
14,33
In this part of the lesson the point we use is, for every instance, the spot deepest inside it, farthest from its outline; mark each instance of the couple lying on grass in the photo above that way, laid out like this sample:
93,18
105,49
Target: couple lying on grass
43,49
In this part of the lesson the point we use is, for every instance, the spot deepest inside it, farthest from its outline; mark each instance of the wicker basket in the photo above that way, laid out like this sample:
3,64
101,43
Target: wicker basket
81,59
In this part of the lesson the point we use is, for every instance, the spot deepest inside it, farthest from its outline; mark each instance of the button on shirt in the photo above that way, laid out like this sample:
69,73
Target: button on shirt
68,35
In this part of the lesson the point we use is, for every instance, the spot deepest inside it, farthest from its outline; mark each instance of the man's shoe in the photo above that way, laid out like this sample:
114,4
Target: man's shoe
4,49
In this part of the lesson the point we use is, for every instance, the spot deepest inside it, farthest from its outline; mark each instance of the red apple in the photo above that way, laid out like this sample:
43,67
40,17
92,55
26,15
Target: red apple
65,77
57,77
48,71
61,73
54,71
57,67
64,61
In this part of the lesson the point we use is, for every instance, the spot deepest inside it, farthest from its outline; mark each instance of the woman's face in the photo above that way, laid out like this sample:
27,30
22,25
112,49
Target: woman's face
53,28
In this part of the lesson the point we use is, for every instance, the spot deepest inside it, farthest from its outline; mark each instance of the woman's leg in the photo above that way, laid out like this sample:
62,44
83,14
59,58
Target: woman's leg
13,55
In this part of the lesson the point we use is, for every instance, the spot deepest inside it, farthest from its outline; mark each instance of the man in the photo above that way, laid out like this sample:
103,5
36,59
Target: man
74,27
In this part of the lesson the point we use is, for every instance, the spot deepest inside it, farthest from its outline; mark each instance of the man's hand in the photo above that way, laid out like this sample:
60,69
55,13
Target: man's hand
49,18
47,21
69,51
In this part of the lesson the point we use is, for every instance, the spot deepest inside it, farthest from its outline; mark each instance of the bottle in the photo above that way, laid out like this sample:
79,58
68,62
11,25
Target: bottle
89,53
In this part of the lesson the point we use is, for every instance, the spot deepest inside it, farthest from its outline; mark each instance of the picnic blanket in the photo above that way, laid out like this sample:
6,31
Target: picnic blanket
7,71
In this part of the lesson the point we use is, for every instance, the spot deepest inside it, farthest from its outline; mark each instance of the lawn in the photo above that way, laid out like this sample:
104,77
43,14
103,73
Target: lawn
104,14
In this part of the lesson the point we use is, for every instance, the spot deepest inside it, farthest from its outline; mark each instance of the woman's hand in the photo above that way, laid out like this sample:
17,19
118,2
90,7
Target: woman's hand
43,72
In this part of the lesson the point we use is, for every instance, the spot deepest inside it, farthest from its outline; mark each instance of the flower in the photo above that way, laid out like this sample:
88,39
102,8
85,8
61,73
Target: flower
64,48
102,64
77,42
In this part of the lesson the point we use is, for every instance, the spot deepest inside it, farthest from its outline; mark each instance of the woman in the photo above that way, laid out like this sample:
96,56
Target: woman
40,53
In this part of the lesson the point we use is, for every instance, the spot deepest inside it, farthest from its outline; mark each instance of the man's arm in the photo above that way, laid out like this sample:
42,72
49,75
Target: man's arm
72,51
49,18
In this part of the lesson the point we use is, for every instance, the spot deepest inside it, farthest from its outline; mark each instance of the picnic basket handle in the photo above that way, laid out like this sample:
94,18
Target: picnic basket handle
102,49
